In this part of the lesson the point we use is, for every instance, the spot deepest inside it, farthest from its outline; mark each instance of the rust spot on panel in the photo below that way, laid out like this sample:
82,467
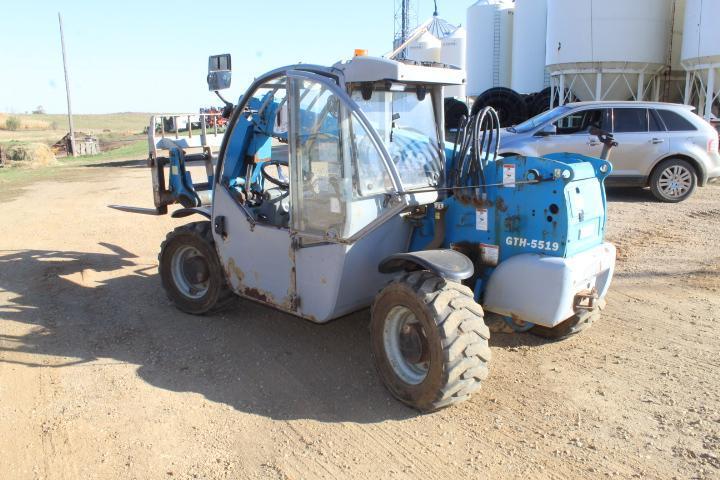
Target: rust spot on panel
475,202
233,272
512,223
236,278
500,204
257,295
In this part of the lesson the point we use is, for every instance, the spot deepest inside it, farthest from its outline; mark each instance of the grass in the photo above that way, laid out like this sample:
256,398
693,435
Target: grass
123,129
135,150
49,128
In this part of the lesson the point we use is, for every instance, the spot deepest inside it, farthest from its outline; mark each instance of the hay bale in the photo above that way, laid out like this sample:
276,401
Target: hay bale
31,155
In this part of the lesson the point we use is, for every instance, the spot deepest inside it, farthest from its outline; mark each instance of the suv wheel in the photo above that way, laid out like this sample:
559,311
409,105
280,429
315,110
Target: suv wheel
673,180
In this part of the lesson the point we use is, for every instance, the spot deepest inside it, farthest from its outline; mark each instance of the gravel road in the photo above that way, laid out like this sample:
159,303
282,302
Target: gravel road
100,377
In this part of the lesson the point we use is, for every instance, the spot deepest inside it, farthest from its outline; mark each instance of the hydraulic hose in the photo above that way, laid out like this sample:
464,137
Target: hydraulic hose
477,142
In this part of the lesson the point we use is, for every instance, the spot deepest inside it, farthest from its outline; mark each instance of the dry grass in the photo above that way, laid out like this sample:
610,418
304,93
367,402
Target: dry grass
49,128
27,122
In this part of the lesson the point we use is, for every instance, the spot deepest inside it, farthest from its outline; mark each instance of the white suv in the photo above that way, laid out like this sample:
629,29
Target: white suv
663,146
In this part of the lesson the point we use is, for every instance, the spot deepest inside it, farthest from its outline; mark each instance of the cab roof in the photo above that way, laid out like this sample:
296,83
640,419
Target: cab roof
374,69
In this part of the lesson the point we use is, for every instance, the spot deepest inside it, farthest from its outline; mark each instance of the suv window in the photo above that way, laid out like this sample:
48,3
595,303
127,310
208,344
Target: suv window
627,120
581,121
675,122
656,124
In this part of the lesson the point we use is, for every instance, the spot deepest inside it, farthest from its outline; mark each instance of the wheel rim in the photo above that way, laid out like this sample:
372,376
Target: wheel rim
675,181
406,345
190,272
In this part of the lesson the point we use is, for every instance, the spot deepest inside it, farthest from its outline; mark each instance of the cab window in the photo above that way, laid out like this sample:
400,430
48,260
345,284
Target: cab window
338,175
255,167
405,121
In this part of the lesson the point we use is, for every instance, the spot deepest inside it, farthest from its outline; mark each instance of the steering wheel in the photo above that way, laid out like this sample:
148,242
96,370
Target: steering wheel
282,183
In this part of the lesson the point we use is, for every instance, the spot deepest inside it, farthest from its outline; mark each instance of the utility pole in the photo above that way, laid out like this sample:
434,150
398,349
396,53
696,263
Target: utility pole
67,88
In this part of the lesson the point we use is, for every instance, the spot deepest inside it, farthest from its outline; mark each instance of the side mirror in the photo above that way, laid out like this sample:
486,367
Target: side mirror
219,72
549,129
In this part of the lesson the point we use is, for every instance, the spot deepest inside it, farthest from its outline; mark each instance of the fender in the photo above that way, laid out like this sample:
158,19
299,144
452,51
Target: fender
186,212
447,263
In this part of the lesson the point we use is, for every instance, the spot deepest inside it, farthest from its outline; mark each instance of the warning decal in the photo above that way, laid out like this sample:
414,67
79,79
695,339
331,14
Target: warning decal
509,175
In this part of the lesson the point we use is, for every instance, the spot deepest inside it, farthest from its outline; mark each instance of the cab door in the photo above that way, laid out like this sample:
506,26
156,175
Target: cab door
340,232
255,253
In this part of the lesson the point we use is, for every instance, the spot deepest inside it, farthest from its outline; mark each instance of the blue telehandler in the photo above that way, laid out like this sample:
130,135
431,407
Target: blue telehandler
334,190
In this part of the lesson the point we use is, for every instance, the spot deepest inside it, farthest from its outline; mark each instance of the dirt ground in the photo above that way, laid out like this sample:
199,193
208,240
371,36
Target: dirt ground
100,377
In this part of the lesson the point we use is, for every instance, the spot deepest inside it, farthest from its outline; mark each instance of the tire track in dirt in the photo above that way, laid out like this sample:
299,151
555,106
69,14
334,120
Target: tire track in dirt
634,396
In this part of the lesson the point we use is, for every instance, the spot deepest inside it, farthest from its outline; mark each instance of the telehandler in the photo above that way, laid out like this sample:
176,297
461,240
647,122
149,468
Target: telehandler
334,190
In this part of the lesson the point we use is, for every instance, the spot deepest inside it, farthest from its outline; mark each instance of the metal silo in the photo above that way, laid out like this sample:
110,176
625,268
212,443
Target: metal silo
489,45
674,78
453,52
528,46
608,50
701,55
426,48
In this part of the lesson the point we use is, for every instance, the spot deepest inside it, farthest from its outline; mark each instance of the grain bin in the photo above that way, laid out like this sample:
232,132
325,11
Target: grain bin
701,55
610,49
425,48
528,46
454,48
489,45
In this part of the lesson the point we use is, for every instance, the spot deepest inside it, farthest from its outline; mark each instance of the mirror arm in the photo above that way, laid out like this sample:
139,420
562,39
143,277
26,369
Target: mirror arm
227,111
217,92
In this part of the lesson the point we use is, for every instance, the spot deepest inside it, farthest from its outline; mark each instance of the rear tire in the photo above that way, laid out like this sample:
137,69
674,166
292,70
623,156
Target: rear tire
673,180
429,341
190,270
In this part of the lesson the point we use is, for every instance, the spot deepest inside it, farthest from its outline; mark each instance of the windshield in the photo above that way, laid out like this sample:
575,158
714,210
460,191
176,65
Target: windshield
538,120
407,126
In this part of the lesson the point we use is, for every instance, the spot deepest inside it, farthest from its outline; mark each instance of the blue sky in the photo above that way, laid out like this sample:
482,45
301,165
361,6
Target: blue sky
151,56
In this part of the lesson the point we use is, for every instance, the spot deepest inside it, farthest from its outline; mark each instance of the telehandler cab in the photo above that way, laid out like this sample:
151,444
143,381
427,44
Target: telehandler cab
334,190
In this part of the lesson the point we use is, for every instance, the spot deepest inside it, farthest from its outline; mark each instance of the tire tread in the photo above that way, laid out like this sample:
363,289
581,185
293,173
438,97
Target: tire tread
203,231
463,333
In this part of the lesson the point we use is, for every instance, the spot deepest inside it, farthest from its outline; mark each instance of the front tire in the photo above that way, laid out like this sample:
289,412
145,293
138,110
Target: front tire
429,341
190,270
673,181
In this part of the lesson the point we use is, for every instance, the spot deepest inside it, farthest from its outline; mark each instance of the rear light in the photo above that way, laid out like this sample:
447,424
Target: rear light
712,145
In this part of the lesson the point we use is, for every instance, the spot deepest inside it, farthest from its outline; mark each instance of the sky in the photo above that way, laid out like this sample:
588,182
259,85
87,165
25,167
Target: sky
151,56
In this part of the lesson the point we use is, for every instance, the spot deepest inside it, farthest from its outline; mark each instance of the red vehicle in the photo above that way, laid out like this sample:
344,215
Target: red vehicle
216,118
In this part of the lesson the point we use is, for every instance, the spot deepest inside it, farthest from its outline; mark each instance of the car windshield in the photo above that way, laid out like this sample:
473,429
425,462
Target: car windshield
538,120
407,126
